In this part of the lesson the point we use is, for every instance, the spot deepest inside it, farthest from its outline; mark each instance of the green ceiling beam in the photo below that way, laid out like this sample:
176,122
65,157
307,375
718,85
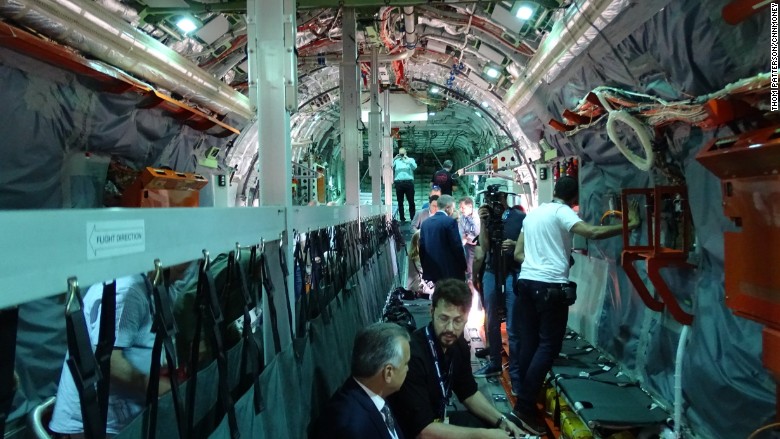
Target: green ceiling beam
305,4
197,8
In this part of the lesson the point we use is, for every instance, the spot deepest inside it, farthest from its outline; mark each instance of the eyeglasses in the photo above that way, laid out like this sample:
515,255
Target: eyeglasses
457,322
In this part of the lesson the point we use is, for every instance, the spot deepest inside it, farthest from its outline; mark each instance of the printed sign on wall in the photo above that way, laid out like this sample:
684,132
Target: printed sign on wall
114,238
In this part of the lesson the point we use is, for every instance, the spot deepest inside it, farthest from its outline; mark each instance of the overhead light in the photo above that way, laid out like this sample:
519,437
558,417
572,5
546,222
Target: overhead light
478,113
525,11
492,72
186,24
435,90
432,113
485,104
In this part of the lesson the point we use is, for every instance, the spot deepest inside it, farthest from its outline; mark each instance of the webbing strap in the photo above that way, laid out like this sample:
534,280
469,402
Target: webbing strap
192,370
316,275
164,327
82,363
302,297
268,286
9,322
285,274
105,346
214,330
250,356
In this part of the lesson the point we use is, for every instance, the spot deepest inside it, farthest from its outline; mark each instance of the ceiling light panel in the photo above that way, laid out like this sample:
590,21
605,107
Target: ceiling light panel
505,18
492,54
166,4
214,29
186,24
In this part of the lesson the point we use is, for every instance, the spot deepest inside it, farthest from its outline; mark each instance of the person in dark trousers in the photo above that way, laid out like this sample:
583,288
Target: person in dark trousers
358,410
440,365
443,179
403,170
511,224
469,226
441,252
544,291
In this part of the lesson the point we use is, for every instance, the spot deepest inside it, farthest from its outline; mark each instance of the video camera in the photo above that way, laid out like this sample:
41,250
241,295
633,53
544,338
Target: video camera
493,199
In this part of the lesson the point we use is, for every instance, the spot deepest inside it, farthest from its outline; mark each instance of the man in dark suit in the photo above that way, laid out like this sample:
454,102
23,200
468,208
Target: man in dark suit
380,361
441,251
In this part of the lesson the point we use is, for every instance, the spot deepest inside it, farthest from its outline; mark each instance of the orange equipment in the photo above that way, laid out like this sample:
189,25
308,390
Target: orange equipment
749,166
156,187
658,255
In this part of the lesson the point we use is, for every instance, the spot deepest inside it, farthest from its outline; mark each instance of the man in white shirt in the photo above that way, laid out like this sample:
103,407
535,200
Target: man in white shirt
130,359
544,291
403,180
380,361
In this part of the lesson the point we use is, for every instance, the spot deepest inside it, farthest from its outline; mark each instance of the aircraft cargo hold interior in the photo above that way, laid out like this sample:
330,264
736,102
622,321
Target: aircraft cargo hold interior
216,215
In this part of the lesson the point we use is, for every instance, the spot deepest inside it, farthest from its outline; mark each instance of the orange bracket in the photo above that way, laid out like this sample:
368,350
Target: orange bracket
749,168
655,254
627,262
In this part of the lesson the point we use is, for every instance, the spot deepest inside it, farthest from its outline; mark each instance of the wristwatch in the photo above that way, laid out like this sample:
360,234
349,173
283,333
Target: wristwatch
500,421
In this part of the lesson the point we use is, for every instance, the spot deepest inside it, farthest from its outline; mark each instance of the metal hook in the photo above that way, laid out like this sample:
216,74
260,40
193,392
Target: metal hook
158,272
206,259
262,245
238,252
73,288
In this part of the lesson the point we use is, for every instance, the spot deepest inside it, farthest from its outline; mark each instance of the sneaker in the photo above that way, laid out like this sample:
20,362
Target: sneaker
530,422
488,370
485,352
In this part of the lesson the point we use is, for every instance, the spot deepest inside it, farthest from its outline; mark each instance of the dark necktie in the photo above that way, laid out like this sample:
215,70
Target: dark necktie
389,421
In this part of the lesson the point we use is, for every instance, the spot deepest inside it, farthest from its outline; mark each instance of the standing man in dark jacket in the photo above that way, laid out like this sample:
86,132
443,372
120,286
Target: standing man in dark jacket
441,251
380,361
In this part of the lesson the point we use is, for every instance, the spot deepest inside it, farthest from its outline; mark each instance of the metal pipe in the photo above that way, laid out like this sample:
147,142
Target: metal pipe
678,391
99,33
409,23
129,14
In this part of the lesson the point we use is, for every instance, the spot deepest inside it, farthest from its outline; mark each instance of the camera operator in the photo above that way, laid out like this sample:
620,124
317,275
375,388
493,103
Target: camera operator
501,225
544,291
403,169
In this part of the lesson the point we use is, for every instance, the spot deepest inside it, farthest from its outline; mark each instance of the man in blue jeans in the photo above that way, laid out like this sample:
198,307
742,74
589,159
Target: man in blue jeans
544,292
511,223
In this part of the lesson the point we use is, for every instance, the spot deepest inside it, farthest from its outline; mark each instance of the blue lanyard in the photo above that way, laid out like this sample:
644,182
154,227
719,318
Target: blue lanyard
446,391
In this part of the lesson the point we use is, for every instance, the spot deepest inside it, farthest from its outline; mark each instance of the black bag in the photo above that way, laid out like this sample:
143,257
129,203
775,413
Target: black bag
401,316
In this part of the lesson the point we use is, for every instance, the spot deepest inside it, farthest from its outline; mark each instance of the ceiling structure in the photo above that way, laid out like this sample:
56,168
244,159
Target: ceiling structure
468,64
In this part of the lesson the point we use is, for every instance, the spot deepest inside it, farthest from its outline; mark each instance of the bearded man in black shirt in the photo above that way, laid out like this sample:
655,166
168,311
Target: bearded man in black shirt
440,365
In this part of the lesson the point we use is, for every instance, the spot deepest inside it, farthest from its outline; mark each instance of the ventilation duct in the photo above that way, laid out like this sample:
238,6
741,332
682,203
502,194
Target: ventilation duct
334,58
90,28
